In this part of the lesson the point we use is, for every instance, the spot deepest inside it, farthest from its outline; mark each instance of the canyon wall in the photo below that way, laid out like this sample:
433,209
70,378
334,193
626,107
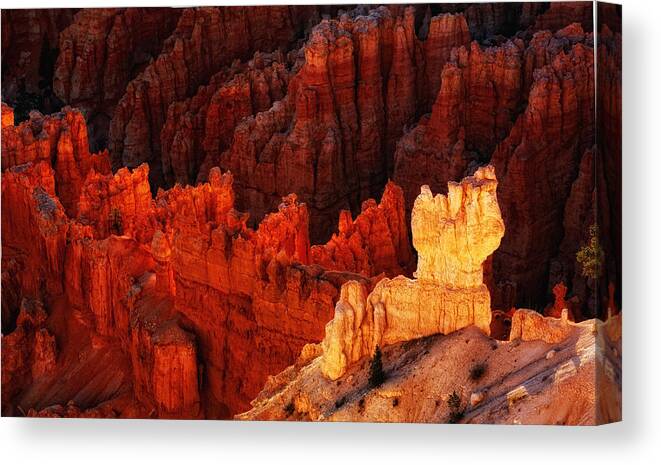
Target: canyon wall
264,163
556,127
188,59
178,288
29,50
426,95
100,52
313,142
376,242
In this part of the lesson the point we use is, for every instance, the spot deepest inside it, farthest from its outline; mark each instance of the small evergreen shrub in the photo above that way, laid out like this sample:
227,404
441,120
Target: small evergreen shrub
377,375
456,412
478,371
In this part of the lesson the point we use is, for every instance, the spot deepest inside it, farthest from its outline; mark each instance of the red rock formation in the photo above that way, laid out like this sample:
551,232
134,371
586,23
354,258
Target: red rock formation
28,352
188,59
547,141
120,204
444,33
60,138
490,22
373,66
140,275
7,115
199,129
447,294
164,358
609,144
251,279
475,106
29,38
100,50
559,14
34,229
375,242
481,94
181,306
561,304
611,305
579,216
113,265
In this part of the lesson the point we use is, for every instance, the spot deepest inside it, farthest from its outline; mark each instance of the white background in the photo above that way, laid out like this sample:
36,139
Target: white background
635,440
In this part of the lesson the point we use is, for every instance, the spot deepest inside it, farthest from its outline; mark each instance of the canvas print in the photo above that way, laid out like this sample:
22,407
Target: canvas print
362,213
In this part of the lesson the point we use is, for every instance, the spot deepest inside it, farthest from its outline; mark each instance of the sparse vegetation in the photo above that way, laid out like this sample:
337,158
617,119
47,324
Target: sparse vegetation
456,412
289,409
478,371
340,402
454,401
395,402
591,255
455,416
377,375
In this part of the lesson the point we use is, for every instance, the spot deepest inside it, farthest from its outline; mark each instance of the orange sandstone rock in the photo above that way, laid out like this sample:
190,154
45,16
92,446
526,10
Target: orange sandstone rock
34,228
448,293
62,138
7,115
28,352
199,129
455,234
375,242
529,325
313,142
119,204
560,304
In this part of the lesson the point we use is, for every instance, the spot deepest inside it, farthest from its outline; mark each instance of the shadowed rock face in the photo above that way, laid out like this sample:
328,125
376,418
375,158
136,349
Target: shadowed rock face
331,139
29,51
198,184
205,40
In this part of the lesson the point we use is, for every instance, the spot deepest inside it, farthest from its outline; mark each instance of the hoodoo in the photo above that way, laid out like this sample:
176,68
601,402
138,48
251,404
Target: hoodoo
453,235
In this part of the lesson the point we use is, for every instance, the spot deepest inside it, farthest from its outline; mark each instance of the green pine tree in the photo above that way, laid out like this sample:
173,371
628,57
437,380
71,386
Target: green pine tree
591,255
377,375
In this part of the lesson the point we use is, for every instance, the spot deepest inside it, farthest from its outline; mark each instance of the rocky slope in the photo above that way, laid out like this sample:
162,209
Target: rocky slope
464,377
